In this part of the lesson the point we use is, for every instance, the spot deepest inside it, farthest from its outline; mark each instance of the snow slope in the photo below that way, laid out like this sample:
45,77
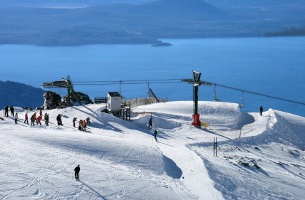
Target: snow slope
259,157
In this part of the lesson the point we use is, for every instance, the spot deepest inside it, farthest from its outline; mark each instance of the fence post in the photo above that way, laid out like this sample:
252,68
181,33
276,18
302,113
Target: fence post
215,147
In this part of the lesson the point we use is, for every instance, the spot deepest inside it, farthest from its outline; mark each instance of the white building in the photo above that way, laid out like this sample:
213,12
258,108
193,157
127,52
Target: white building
114,101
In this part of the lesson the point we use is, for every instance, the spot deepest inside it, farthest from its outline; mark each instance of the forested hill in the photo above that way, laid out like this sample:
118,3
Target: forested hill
18,94
141,21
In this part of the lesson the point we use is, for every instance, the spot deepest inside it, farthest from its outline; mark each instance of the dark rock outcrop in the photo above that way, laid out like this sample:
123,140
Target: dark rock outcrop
77,98
51,100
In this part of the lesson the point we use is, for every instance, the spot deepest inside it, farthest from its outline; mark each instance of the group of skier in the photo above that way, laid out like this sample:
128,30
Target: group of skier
34,118
13,114
150,125
11,109
82,124
37,119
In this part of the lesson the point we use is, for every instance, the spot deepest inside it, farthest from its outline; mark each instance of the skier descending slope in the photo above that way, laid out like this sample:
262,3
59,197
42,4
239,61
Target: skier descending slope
77,169
155,135
150,122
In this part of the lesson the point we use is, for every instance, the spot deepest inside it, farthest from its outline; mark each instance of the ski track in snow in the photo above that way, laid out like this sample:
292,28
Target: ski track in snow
121,160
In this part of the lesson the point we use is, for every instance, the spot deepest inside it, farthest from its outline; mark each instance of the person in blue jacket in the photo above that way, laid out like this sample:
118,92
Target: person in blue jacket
155,135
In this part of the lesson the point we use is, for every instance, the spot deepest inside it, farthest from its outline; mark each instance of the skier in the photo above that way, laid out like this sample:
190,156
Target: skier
33,119
74,120
77,169
261,110
38,120
150,122
155,135
16,118
12,110
80,125
6,111
88,120
58,118
26,118
40,112
84,125
46,119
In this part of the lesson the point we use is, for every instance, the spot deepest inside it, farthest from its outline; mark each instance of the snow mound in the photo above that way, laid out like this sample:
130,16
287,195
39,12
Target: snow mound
266,163
277,127
171,115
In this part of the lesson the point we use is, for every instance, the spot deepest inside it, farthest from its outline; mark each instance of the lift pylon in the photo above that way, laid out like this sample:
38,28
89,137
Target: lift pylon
196,82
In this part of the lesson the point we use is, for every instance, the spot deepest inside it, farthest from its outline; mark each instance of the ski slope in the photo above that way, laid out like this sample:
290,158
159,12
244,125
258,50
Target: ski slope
259,157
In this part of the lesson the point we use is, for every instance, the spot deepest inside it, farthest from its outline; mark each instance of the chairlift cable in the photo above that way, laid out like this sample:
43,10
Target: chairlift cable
258,94
123,81
175,81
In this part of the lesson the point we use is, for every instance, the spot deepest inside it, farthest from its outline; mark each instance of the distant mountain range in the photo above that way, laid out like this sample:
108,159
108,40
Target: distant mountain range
21,95
79,22
57,3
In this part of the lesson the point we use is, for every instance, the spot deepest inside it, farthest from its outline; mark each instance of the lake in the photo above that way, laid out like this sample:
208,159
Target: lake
271,66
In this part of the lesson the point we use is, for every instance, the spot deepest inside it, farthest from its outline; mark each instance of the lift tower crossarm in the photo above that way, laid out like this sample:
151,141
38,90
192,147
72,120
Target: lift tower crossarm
56,84
191,81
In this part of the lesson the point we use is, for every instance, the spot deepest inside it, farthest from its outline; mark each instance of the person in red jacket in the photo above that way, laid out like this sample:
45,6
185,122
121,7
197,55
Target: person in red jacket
39,120
26,118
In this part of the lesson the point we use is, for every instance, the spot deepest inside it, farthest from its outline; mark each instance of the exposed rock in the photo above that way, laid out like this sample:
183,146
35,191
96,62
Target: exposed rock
77,98
51,100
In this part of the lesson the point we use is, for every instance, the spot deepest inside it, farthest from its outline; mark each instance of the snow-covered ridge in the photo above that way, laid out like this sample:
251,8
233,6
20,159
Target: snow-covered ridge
259,157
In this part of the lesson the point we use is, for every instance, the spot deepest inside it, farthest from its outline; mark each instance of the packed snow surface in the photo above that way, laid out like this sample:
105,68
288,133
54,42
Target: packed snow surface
258,157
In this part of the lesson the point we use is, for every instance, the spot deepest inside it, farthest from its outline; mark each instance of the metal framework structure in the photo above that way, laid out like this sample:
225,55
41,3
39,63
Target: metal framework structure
64,83
152,94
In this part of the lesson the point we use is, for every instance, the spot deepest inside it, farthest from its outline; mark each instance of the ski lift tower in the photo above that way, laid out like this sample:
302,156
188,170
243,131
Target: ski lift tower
64,83
196,82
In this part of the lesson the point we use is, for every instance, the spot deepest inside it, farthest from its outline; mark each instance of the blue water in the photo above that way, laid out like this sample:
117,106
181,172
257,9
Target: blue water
272,66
